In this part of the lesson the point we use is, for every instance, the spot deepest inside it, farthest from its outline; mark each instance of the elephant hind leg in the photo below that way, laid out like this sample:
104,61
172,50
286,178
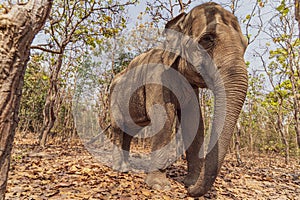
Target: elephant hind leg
121,149
161,154
126,147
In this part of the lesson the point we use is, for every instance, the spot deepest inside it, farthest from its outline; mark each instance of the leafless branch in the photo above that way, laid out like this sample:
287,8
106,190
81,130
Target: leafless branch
248,25
46,49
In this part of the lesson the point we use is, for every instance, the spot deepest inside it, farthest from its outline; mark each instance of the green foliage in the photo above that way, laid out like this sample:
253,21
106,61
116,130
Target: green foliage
270,107
1,8
122,61
280,97
283,9
33,95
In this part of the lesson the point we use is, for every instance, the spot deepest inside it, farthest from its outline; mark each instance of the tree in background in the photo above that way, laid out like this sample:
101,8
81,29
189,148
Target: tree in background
283,71
162,11
18,27
33,96
73,26
270,114
297,13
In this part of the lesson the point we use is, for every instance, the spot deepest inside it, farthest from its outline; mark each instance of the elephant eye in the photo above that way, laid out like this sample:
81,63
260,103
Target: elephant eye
207,41
208,38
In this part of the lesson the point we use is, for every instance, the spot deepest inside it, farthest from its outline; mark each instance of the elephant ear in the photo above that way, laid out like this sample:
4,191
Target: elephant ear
173,33
176,23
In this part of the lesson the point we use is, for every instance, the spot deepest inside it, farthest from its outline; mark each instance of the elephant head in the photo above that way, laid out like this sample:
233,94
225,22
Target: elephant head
218,32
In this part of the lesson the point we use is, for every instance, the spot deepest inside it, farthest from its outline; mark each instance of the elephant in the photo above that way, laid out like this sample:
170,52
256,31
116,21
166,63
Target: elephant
218,33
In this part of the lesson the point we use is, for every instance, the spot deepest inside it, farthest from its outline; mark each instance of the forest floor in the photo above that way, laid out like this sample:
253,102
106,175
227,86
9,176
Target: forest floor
68,171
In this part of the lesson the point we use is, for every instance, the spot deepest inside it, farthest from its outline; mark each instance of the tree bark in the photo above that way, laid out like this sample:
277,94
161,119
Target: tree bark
283,137
297,14
51,99
238,133
18,28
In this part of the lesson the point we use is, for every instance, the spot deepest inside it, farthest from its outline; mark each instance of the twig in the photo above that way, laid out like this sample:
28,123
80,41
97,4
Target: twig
98,136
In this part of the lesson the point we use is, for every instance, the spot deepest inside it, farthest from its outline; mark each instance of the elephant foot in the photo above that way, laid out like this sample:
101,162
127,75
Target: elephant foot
157,180
121,167
190,179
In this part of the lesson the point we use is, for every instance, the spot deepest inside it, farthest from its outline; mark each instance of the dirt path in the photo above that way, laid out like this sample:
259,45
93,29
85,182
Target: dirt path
70,172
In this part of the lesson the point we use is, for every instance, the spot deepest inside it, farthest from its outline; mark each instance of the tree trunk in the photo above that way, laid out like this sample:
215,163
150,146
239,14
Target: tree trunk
238,133
294,78
51,99
296,102
297,14
298,133
281,130
18,28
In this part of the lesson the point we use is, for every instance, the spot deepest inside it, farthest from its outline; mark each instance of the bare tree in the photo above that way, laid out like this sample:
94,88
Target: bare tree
165,10
297,13
237,141
18,28
72,24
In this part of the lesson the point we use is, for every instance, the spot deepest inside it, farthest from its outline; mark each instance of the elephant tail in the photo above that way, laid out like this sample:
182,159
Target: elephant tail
94,139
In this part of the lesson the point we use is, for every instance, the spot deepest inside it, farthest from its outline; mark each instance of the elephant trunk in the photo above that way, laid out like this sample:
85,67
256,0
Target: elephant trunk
229,88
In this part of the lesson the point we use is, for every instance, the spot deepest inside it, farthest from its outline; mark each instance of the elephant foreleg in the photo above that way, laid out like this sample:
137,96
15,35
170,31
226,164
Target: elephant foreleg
193,145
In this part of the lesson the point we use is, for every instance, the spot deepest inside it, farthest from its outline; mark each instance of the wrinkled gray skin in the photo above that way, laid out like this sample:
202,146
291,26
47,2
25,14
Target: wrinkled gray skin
218,31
